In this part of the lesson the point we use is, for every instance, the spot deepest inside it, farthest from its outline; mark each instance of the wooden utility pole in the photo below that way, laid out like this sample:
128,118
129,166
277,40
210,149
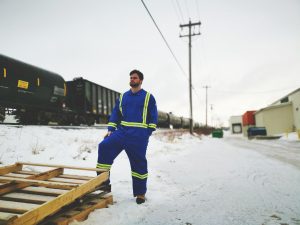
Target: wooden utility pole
190,25
206,87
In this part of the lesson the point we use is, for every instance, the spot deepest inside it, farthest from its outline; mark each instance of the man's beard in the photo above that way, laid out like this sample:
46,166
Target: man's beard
134,85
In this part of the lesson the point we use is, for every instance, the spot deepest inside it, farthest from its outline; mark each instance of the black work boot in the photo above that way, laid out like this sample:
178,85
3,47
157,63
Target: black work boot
140,199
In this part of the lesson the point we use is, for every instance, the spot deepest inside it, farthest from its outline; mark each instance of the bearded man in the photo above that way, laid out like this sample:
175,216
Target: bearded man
131,123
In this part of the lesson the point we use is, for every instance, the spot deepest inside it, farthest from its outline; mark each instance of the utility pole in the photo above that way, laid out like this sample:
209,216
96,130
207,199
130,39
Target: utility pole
190,25
211,114
206,87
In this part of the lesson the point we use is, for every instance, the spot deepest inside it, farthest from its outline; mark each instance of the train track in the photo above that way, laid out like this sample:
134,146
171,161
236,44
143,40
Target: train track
98,126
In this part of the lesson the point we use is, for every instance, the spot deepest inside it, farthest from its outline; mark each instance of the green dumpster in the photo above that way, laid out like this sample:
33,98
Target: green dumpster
218,133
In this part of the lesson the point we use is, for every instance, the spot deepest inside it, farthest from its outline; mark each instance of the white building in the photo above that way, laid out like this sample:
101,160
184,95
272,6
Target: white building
235,124
282,116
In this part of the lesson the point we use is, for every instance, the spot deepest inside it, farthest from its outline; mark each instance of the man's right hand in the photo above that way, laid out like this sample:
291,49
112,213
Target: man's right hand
107,134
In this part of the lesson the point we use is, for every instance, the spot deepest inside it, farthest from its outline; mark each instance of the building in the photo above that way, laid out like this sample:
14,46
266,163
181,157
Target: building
282,116
235,124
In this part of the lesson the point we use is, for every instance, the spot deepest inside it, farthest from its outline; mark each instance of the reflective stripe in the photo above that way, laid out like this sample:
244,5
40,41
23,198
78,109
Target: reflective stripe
140,176
144,117
112,124
152,125
134,124
146,107
65,89
103,166
4,72
120,104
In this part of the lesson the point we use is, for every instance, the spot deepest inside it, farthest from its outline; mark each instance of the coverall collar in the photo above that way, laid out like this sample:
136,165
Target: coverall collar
136,93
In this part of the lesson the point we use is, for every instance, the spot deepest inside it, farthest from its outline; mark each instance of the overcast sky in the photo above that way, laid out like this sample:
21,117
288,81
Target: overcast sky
248,51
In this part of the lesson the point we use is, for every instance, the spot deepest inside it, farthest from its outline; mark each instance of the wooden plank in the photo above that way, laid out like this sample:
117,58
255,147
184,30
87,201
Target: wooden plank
63,166
44,191
9,187
10,168
71,176
16,175
83,212
7,217
47,174
66,180
29,182
77,177
48,208
25,197
27,172
16,207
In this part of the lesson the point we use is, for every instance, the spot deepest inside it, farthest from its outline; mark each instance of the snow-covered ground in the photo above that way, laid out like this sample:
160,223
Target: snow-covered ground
192,179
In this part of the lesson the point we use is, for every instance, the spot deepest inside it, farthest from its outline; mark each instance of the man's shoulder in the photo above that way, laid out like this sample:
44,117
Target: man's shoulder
126,92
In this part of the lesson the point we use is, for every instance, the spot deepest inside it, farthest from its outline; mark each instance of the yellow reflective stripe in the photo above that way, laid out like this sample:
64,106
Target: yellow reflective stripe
146,107
140,176
120,104
112,124
152,125
38,82
103,166
4,72
65,89
133,124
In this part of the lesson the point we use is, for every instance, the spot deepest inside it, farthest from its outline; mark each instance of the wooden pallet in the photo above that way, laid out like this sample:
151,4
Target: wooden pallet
28,197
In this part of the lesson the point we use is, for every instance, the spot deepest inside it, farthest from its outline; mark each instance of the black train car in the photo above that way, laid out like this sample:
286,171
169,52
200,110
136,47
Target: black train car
163,119
89,102
32,91
185,122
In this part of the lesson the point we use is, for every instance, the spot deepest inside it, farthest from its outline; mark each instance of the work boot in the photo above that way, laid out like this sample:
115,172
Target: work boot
140,199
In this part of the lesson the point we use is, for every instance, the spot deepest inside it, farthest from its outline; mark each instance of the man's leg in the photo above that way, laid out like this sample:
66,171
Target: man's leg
108,150
136,151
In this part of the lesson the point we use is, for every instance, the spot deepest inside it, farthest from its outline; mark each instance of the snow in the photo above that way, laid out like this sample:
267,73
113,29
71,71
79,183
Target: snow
192,179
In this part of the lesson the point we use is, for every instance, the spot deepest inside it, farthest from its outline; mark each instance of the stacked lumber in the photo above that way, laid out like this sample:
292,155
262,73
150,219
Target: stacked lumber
28,197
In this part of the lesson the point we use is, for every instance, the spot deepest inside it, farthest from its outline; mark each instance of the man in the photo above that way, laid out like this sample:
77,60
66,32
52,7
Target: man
131,123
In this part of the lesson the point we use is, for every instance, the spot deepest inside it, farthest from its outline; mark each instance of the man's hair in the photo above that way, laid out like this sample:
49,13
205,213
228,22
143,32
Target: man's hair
139,73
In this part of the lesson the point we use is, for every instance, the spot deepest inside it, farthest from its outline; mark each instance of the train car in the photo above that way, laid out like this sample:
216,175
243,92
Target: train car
38,96
196,125
89,102
32,91
185,122
163,119
174,121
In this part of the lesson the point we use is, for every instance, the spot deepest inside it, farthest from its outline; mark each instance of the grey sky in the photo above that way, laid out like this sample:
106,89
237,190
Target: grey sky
248,51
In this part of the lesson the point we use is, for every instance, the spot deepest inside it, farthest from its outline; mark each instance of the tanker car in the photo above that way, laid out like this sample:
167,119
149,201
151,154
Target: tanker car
38,96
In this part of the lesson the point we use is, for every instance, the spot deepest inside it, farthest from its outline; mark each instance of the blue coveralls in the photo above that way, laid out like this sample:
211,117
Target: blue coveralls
132,121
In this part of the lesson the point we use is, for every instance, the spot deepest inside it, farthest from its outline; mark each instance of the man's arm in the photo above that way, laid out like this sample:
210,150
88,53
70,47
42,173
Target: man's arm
115,119
152,114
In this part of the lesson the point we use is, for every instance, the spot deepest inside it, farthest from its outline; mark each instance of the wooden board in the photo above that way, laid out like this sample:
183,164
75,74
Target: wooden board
28,197
7,217
24,197
44,191
17,207
79,212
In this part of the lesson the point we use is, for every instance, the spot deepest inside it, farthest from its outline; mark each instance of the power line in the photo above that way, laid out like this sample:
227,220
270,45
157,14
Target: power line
164,39
181,68
180,11
253,92
197,7
176,11
187,9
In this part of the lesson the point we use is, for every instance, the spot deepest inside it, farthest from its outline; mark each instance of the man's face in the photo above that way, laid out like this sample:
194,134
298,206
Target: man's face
135,80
